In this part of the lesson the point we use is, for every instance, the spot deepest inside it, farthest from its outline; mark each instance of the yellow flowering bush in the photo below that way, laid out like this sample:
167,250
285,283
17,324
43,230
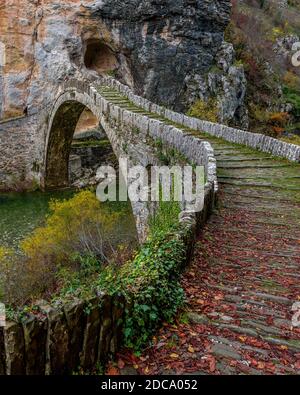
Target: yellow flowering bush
76,231
77,225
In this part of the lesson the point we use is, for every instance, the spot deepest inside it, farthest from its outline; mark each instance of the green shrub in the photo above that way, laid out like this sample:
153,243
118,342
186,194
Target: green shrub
150,281
150,284
293,96
205,110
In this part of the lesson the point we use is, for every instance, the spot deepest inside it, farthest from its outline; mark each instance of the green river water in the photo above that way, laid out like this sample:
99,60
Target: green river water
21,213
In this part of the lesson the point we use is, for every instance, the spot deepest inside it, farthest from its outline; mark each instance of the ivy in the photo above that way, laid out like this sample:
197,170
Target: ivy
150,284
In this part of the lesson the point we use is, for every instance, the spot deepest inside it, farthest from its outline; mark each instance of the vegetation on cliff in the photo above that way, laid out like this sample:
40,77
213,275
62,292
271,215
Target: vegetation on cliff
263,34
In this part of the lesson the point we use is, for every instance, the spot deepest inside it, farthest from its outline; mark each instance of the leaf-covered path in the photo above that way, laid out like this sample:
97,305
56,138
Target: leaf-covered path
244,279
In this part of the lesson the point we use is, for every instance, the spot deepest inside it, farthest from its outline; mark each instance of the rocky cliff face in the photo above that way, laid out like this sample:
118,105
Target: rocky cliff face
39,37
171,51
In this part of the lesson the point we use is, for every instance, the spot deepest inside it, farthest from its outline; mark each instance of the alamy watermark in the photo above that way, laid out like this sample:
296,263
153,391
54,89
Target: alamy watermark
296,315
296,55
2,315
2,54
184,184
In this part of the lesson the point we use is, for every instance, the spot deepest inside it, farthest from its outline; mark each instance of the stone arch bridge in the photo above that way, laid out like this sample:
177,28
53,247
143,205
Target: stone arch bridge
249,252
36,148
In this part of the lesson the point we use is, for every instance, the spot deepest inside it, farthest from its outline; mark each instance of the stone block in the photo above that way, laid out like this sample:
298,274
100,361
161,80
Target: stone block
105,328
2,353
15,349
89,353
118,311
58,342
76,323
35,336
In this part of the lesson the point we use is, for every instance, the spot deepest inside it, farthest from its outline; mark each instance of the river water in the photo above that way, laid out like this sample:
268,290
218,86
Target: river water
21,213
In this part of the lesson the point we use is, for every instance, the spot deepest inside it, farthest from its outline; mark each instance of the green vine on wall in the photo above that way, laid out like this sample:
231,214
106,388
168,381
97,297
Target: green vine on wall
150,282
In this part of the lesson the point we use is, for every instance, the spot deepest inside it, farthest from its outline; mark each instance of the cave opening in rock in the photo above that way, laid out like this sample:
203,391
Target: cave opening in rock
99,57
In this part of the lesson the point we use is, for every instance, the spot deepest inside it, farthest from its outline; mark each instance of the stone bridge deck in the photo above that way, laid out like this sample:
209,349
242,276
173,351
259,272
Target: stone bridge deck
245,276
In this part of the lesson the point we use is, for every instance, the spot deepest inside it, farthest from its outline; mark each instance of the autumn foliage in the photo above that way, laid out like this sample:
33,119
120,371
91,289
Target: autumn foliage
76,230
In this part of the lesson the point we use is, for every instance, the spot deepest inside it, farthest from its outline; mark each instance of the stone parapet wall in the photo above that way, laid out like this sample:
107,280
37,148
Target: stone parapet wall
254,140
193,148
60,340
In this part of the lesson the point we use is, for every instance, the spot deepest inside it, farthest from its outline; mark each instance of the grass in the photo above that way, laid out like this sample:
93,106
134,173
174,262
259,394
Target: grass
292,140
166,218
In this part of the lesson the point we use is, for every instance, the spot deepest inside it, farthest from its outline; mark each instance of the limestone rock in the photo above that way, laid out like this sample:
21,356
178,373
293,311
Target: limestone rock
162,50
226,82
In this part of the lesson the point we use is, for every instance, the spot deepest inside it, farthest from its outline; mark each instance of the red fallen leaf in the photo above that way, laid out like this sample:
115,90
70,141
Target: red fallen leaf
212,363
297,365
284,362
261,365
112,371
200,329
121,364
219,297
254,362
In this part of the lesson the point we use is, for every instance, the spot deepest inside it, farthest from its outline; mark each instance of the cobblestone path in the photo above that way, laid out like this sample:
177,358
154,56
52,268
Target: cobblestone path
244,280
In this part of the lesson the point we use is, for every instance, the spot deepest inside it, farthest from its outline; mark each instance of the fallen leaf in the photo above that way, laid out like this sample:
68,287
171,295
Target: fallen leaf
147,370
191,349
212,364
112,371
261,365
219,297
283,347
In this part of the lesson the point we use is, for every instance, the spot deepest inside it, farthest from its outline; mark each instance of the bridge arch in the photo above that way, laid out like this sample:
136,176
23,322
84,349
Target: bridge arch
62,121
